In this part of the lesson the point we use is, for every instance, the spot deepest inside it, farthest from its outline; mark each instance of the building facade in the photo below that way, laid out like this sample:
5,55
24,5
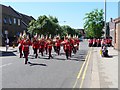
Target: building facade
12,23
115,32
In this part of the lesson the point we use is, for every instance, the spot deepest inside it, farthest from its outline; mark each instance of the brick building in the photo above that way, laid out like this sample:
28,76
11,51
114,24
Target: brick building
115,32
12,23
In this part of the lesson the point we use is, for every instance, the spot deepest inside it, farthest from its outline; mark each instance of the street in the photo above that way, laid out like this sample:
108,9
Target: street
42,72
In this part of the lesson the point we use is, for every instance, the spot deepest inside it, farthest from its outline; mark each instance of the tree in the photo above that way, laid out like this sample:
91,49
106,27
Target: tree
94,23
44,25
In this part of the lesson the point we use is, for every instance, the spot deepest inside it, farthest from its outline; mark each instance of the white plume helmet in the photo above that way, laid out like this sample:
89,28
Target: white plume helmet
36,35
69,36
50,36
20,35
73,36
27,36
41,36
77,36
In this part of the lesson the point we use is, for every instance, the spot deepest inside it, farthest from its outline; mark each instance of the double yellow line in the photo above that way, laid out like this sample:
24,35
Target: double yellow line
87,59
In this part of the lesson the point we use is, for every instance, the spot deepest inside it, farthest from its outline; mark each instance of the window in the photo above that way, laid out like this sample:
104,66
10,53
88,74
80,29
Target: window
18,22
0,20
14,20
5,20
10,21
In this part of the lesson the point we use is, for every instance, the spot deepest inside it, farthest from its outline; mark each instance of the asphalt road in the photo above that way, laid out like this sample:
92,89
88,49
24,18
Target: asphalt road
42,72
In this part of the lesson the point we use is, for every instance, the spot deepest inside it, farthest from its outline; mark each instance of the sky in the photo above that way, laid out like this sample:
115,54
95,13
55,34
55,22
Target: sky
68,13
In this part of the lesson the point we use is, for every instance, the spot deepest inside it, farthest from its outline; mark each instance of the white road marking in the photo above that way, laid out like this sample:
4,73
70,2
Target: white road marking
5,65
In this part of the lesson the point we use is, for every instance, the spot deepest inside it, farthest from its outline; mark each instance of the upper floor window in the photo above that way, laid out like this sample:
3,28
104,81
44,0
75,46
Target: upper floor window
0,20
14,20
18,22
5,20
10,21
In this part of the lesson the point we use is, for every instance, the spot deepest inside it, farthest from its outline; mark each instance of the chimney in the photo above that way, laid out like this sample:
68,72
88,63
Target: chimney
111,19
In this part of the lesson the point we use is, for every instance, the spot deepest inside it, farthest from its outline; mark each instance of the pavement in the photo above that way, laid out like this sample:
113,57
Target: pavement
102,72
10,49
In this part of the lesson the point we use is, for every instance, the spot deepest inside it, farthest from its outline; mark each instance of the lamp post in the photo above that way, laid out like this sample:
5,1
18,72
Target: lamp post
105,17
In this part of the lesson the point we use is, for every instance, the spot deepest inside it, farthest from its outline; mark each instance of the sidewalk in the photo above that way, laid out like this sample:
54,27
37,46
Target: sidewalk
10,49
104,70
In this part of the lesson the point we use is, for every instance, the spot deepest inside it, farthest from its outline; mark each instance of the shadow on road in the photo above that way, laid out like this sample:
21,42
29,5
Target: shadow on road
33,64
3,53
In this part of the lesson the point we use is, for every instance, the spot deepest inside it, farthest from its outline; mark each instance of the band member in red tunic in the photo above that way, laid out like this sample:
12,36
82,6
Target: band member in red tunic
46,46
94,42
25,48
90,42
99,42
42,45
20,44
66,46
50,44
35,45
57,45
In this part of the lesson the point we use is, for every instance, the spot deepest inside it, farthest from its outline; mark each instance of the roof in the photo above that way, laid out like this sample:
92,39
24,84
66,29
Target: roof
117,20
26,18
9,11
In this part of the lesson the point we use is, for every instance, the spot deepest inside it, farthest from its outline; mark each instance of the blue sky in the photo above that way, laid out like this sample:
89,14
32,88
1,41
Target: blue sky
71,12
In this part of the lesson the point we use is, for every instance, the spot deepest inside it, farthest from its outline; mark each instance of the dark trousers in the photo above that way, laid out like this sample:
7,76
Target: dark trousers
50,55
35,52
41,50
58,50
46,50
90,44
67,53
20,51
26,56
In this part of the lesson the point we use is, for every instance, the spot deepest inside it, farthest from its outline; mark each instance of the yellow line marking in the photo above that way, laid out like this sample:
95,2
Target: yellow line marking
80,72
84,73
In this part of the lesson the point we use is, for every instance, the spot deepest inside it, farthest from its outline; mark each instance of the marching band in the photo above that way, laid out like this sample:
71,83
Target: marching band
46,44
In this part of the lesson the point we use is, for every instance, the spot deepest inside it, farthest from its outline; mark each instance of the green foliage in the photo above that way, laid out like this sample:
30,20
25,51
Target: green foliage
94,23
50,26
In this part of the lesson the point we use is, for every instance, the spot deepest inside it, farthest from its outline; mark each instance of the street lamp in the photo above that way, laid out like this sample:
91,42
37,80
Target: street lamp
105,17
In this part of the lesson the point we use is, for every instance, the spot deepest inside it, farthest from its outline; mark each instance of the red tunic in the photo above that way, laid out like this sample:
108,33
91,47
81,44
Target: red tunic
91,41
49,45
67,46
57,43
20,43
26,44
35,44
42,44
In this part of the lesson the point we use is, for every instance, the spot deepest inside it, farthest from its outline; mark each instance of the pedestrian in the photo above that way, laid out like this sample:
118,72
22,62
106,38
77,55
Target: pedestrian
98,42
41,45
7,44
57,45
25,48
90,42
35,45
94,42
20,45
66,46
50,44
46,46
